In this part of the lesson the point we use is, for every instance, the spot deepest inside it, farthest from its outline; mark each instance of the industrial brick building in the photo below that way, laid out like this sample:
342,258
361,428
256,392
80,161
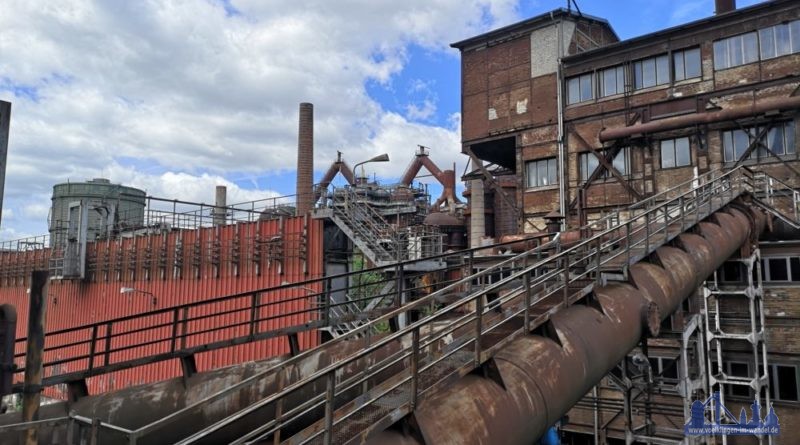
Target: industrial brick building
560,117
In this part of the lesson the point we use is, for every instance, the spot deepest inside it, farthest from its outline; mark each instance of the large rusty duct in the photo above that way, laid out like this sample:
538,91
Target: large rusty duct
544,376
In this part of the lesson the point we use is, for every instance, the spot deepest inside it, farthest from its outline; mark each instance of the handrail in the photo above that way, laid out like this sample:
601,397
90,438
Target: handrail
473,298
645,232
352,334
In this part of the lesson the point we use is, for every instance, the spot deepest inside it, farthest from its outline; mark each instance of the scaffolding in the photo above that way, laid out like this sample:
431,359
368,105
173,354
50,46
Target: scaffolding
720,336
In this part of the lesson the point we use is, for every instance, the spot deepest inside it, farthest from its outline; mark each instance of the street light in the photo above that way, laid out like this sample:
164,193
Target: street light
380,158
131,290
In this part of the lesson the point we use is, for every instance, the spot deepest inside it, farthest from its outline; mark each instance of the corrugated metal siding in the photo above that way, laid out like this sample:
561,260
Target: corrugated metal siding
216,261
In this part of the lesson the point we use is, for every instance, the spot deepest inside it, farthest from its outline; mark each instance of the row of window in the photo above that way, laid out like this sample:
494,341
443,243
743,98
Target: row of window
780,140
686,64
766,43
774,269
784,381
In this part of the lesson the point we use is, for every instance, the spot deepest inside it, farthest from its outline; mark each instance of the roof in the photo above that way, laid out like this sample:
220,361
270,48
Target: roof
529,25
667,32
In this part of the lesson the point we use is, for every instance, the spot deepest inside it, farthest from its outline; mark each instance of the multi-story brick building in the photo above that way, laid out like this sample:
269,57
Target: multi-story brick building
560,116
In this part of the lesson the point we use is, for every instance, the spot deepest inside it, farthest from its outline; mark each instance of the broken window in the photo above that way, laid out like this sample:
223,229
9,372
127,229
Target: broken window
781,269
588,163
779,139
783,382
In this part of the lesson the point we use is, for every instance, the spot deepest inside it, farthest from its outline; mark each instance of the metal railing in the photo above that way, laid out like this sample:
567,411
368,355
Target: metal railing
343,300
423,360
450,340
380,241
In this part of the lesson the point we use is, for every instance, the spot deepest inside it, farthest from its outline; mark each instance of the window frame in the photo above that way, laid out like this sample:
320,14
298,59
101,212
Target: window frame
638,68
583,172
775,384
766,273
579,79
617,71
674,150
682,53
792,28
536,162
742,49
787,128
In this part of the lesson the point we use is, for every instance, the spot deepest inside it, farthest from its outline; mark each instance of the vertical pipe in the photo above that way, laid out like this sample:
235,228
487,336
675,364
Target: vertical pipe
305,159
5,122
562,182
220,202
477,222
34,351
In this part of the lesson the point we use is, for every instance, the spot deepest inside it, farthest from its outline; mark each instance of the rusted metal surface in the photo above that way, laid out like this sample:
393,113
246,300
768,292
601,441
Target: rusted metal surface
138,406
673,123
37,313
188,266
8,333
545,377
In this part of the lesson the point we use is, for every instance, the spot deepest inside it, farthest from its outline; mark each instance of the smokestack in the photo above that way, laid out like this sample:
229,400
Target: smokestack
220,202
723,6
305,159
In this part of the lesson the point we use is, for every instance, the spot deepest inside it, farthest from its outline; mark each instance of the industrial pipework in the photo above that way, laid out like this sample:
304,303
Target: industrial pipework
545,375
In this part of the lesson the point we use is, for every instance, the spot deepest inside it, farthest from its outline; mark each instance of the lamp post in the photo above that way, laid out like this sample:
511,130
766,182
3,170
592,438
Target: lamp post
380,158
131,290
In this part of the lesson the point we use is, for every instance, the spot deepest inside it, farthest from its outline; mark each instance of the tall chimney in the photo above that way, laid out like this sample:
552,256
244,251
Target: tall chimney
305,159
723,6
220,202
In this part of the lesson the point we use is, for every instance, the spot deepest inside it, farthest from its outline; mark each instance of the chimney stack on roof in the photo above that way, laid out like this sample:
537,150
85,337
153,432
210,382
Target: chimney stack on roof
723,6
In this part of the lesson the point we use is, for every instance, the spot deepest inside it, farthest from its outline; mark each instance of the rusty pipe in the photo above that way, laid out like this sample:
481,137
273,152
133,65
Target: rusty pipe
673,123
545,376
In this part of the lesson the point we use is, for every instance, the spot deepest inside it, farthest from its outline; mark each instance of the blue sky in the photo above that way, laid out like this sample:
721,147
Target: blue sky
177,97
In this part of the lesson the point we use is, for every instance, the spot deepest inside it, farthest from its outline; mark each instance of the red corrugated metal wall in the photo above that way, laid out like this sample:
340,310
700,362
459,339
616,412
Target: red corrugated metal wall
177,268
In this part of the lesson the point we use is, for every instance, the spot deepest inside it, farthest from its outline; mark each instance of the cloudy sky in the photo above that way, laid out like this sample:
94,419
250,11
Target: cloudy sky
176,97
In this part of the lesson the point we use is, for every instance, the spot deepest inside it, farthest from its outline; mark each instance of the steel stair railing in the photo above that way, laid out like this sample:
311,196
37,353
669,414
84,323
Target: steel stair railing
549,284
370,230
452,340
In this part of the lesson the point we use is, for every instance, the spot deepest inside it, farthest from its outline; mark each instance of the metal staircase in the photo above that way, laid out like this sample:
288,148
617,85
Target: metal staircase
367,389
380,241
368,230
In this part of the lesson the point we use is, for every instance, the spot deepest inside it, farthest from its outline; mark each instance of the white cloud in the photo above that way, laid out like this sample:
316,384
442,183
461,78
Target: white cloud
185,87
